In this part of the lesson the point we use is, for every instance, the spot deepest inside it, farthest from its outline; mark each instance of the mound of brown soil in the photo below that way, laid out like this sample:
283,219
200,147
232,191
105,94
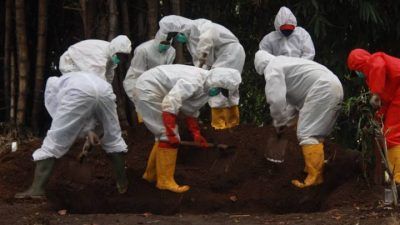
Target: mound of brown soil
240,182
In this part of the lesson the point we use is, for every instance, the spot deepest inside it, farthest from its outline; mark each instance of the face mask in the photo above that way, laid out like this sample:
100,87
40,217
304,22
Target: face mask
360,74
287,33
163,47
115,59
181,38
214,92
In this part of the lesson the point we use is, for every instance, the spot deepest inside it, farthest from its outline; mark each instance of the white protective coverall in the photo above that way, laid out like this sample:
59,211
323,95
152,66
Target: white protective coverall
178,88
220,44
298,44
223,50
94,56
146,56
308,86
73,101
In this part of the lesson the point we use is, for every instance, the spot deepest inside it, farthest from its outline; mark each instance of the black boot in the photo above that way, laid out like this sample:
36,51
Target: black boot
43,171
118,162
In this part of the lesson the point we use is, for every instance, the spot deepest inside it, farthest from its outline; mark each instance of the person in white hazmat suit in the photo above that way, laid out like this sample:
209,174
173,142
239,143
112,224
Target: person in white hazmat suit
95,56
146,56
72,100
160,95
288,39
211,46
313,90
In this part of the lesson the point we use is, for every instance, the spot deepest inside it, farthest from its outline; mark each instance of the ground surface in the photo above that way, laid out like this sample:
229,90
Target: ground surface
239,188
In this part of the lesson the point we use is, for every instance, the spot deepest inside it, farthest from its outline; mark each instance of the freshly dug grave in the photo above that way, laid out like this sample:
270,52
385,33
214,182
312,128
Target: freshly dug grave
240,182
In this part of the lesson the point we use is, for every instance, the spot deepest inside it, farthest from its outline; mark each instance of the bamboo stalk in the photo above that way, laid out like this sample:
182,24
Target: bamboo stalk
23,59
6,60
40,62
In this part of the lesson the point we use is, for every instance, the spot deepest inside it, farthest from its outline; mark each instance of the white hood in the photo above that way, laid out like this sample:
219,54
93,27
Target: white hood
174,23
120,44
223,77
284,16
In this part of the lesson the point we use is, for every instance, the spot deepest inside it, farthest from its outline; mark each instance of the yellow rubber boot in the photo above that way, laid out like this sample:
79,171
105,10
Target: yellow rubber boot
139,118
233,116
394,162
218,120
165,163
151,173
314,160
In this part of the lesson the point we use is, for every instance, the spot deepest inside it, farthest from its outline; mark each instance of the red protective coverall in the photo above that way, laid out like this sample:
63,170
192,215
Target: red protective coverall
382,73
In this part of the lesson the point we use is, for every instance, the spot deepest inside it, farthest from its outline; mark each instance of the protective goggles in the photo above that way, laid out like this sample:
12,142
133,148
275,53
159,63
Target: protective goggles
212,92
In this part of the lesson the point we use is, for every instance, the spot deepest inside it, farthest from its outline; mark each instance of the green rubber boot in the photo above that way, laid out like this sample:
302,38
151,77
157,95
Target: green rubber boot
43,171
118,162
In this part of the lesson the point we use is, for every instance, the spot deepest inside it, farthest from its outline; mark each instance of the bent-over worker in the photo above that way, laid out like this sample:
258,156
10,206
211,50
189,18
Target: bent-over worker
382,75
211,45
315,92
76,101
160,95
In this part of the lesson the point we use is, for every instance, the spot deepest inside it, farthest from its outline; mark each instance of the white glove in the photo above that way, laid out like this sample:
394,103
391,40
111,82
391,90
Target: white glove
375,101
203,59
93,139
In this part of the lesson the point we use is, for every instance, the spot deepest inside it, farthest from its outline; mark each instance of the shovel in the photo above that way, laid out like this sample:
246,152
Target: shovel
393,186
276,148
86,149
222,148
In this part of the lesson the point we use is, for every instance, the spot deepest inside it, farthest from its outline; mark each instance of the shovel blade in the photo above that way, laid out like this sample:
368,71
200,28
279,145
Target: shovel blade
276,149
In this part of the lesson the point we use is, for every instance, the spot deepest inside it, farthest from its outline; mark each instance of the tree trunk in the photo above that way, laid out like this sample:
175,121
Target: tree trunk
141,21
152,15
88,13
6,62
117,82
40,62
23,60
176,10
126,25
102,19
130,113
84,17
13,93
112,19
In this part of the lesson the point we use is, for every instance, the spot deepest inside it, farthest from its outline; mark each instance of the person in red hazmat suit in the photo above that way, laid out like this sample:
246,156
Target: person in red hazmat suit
382,75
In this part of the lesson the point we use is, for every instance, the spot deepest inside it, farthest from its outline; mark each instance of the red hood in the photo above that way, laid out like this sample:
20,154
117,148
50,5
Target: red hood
357,59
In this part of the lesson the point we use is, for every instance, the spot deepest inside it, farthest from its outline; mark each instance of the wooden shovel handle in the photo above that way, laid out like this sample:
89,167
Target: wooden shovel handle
209,145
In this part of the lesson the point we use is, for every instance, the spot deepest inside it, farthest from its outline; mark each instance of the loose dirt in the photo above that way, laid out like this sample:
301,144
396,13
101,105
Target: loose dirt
242,183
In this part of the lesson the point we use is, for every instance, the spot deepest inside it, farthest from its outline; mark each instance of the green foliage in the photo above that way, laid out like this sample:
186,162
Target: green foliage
357,128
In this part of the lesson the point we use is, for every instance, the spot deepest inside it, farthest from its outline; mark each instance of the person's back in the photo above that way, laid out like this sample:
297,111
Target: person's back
85,83
88,55
95,56
300,76
163,78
